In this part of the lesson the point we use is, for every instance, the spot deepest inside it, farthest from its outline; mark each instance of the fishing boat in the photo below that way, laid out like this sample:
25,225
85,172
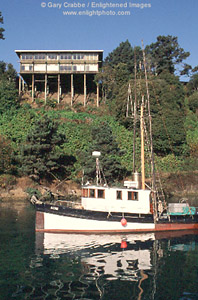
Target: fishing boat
133,208
114,210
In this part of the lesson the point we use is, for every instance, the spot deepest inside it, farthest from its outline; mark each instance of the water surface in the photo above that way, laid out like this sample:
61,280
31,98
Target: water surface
108,267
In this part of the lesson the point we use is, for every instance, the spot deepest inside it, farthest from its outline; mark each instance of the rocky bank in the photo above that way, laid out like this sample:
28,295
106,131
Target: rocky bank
176,186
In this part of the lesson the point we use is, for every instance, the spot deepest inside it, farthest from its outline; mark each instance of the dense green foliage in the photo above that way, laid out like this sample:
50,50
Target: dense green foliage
5,155
8,96
41,155
104,141
193,83
123,54
7,72
165,54
168,110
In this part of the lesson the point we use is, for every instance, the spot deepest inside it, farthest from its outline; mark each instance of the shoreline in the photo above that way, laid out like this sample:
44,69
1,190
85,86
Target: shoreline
184,185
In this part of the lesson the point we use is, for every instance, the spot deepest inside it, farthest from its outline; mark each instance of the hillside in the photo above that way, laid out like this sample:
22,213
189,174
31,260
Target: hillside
50,142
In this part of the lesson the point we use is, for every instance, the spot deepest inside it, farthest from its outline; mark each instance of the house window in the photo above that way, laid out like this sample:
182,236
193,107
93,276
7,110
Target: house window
132,195
26,67
74,68
101,194
78,56
65,67
26,56
52,56
92,193
119,195
85,193
40,56
65,56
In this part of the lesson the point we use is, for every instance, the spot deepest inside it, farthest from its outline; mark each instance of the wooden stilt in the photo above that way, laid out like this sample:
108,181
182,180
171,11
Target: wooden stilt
97,94
23,85
58,97
19,85
72,89
32,87
85,89
45,88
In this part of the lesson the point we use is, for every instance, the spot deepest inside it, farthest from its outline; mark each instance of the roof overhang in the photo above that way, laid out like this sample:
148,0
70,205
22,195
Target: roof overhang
18,52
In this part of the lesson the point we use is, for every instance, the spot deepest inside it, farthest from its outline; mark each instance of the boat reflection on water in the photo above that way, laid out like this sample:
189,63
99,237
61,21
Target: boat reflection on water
131,258
119,256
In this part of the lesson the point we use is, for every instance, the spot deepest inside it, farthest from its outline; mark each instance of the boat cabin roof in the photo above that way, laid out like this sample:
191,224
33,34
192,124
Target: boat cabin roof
100,187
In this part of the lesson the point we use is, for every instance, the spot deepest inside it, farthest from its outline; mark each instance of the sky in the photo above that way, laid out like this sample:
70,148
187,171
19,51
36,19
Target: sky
41,24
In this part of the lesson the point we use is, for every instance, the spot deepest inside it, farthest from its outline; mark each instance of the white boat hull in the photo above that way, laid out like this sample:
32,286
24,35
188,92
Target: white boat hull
56,223
47,222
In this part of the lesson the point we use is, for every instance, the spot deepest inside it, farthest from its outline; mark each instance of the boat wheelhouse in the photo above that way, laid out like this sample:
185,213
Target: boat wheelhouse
114,199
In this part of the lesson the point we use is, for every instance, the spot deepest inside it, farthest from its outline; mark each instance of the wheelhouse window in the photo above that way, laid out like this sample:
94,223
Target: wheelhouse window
119,195
92,193
132,195
85,193
101,194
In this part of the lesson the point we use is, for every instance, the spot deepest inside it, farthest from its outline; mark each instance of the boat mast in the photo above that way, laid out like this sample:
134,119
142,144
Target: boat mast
97,154
142,143
134,124
155,214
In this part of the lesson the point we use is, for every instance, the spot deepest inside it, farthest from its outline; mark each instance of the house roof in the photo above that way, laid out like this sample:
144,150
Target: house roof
18,52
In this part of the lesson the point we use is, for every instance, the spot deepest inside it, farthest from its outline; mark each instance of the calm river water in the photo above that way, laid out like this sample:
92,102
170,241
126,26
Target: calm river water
55,266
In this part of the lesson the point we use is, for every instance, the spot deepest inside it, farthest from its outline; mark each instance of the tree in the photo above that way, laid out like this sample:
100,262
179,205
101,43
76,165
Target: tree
104,141
193,102
8,96
112,79
168,114
7,72
125,54
42,155
165,54
192,85
1,29
122,54
191,126
167,110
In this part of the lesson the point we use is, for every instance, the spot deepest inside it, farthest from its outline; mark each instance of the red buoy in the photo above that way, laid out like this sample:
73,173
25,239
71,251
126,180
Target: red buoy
123,245
124,222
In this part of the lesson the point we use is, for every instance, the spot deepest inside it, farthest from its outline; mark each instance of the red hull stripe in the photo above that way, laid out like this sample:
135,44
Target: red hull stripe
165,227
175,226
